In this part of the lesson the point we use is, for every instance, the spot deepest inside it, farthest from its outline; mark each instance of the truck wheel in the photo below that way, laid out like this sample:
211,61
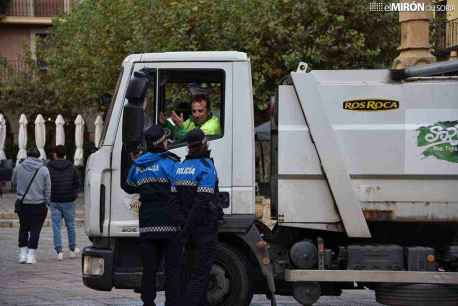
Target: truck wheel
229,280
306,293
417,295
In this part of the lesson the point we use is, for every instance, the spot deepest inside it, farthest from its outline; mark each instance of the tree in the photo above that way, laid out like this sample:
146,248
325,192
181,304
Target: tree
86,48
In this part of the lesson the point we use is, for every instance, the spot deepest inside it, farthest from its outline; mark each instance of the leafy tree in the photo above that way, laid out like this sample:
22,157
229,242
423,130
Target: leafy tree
25,92
86,48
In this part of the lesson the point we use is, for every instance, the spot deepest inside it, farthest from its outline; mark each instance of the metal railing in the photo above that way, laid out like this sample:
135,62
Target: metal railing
447,35
39,8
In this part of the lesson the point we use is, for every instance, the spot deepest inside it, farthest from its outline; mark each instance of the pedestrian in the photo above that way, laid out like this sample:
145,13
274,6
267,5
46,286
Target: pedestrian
6,169
159,222
33,190
65,185
196,182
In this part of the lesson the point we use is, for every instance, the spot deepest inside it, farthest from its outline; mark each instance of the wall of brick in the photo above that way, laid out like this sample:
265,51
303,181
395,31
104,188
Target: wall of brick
12,42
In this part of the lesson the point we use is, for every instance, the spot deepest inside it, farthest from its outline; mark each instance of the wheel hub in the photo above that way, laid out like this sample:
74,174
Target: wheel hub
219,285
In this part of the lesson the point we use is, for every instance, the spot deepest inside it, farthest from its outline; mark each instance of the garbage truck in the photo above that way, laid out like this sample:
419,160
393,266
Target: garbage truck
364,179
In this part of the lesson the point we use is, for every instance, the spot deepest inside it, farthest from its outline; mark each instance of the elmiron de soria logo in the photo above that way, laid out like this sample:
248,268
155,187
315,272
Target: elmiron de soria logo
439,140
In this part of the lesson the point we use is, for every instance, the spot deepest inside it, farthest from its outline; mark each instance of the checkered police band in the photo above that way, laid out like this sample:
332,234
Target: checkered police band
159,229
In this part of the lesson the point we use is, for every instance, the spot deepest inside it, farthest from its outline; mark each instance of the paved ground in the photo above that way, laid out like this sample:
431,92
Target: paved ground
9,219
52,282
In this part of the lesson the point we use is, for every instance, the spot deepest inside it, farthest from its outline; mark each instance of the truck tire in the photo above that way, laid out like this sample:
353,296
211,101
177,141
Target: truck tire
417,295
306,293
230,282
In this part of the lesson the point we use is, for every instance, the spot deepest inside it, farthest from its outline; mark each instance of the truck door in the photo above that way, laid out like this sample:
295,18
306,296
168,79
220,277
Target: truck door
170,90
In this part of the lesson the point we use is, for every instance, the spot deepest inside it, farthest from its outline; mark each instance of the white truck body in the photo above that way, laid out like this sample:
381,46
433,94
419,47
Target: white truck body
390,176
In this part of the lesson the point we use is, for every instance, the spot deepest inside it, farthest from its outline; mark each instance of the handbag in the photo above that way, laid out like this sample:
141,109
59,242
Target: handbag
18,203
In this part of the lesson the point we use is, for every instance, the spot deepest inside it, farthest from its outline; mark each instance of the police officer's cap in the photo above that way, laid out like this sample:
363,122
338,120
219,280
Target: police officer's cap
156,135
196,137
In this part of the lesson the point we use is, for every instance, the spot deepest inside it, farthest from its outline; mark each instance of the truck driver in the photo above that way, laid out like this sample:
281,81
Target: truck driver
201,118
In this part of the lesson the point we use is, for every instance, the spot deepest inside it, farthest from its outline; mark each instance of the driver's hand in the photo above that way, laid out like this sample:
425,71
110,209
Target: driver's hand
178,120
162,118
135,155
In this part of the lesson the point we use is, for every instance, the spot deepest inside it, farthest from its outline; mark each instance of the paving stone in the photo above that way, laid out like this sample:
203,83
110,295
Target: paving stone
58,283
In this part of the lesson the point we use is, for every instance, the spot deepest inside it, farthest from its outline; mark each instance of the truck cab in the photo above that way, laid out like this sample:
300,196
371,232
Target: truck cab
112,214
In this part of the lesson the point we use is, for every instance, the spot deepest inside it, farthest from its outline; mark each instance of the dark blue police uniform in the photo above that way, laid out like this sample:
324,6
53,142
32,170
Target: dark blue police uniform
159,225
195,182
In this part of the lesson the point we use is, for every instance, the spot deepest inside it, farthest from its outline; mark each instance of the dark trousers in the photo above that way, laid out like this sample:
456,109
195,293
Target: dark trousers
153,250
203,244
31,220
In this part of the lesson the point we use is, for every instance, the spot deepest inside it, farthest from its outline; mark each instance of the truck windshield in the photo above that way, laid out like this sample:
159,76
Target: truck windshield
177,90
110,109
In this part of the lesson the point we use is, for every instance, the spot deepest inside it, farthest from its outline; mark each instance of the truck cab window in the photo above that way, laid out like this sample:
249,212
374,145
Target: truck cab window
181,100
191,98
150,106
110,109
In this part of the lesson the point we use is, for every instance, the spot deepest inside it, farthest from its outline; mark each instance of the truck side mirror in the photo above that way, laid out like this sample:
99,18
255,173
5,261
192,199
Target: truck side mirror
133,114
136,91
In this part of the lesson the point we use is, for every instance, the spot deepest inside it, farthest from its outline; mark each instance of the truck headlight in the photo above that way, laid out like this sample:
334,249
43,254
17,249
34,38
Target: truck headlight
93,265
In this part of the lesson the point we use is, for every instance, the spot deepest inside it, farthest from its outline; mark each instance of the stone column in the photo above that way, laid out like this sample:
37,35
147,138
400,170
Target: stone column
66,6
31,8
414,48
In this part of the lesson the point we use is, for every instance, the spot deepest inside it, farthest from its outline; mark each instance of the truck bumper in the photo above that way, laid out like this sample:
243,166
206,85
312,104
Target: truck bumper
97,268
373,276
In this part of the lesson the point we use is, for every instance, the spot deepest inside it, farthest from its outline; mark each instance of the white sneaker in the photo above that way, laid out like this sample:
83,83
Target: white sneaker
31,258
60,256
76,252
23,255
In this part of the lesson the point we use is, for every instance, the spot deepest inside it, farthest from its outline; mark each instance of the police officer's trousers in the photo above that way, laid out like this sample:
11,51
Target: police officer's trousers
203,242
153,250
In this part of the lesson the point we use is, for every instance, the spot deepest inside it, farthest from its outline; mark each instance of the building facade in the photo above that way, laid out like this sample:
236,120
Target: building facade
21,24
446,27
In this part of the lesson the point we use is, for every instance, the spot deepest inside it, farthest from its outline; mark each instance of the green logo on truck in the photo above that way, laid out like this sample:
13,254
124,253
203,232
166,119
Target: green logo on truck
440,140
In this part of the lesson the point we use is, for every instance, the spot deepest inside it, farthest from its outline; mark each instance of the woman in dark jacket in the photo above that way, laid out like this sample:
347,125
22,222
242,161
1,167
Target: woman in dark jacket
196,182
151,175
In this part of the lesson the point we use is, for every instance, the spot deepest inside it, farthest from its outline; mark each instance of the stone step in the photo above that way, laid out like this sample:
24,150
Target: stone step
14,222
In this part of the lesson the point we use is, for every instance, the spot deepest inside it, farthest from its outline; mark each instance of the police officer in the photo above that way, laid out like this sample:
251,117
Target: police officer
150,175
195,181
